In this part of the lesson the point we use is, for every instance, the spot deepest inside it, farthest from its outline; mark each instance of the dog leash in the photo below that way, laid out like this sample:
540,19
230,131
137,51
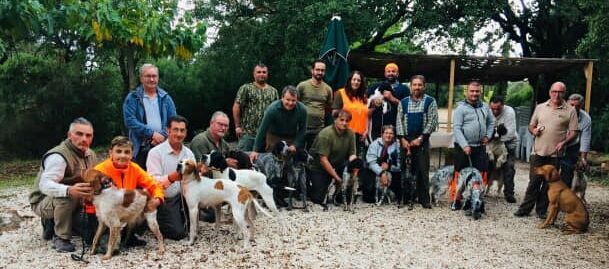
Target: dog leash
85,223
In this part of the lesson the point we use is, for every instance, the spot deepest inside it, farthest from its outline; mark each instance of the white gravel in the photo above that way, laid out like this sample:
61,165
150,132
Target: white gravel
372,237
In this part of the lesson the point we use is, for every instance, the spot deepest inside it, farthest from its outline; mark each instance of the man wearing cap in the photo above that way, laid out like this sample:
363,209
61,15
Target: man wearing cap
385,97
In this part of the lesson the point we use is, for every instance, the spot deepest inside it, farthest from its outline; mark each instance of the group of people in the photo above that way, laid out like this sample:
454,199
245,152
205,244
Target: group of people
383,124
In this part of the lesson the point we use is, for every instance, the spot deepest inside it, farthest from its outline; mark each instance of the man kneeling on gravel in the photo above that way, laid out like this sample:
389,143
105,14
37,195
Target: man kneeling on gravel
59,188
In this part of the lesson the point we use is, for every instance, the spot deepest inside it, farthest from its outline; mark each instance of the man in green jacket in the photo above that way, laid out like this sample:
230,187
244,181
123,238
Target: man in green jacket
284,119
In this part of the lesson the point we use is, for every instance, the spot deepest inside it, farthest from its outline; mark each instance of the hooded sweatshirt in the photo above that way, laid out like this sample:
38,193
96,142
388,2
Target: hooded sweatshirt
472,122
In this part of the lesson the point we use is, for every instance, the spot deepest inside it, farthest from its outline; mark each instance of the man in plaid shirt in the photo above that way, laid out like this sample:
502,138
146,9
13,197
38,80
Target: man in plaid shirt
417,119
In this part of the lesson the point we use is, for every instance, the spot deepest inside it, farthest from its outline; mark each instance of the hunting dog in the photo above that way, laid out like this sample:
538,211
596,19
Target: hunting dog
440,182
580,182
297,176
347,187
200,192
273,165
497,155
243,160
562,198
471,187
116,208
251,179
408,181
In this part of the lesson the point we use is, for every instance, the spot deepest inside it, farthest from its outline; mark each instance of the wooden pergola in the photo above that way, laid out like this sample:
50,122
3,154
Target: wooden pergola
460,69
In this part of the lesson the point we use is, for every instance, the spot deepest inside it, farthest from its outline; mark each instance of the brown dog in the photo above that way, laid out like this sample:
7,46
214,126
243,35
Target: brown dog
564,199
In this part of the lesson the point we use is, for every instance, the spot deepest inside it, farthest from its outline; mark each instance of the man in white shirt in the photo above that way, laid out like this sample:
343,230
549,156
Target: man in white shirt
505,115
161,164
59,188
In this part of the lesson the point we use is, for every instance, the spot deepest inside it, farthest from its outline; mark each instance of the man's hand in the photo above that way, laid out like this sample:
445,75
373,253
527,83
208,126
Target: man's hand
389,96
238,132
416,142
292,148
157,138
559,146
80,190
232,163
203,169
384,166
253,156
484,140
467,150
337,180
173,176
584,164
405,143
153,204
165,183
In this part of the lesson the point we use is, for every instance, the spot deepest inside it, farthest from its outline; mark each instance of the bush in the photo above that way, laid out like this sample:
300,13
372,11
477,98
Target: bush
600,126
519,94
41,96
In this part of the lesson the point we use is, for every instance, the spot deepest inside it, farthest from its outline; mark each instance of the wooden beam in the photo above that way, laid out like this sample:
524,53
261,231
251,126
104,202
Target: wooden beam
451,93
588,72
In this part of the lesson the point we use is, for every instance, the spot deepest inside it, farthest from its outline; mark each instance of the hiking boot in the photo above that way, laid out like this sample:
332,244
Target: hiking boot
63,245
456,205
521,213
48,229
510,199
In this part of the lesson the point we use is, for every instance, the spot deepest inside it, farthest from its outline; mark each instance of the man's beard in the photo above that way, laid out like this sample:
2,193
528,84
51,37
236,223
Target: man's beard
391,79
319,77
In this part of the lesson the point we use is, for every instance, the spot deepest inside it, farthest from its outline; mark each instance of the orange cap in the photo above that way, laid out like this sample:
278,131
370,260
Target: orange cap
391,66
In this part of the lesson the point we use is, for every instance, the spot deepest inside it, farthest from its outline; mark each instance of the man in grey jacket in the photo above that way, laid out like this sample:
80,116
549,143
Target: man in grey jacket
473,124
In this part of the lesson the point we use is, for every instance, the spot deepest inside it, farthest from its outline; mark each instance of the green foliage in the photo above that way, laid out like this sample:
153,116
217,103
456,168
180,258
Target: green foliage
519,94
600,126
41,96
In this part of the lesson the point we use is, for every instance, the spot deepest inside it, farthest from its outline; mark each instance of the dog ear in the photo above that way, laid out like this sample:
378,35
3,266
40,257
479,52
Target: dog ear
501,130
128,198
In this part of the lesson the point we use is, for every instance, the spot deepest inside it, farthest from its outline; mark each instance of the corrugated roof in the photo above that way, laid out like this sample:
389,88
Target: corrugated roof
436,68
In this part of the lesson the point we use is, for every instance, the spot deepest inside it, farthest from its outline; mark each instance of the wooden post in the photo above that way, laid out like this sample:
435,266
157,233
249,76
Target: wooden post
588,72
451,93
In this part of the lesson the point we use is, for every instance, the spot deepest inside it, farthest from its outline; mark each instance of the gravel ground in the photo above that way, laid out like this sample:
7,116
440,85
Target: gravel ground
372,237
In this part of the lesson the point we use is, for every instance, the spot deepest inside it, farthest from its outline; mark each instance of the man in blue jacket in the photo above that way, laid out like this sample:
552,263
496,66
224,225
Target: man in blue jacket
145,112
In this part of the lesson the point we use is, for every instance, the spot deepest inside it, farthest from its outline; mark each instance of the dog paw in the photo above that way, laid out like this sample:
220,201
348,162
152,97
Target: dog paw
106,257
542,226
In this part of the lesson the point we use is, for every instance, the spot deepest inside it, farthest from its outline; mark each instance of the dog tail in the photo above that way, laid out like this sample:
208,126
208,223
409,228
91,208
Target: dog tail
260,208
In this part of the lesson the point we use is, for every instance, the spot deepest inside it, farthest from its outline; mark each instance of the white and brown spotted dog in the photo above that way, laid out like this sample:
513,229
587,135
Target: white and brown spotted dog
497,155
251,179
201,192
116,208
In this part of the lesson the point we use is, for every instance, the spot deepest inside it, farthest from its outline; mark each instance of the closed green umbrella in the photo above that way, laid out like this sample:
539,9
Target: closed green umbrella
334,52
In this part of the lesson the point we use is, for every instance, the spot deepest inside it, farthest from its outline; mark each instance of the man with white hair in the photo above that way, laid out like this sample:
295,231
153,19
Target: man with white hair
145,112
580,146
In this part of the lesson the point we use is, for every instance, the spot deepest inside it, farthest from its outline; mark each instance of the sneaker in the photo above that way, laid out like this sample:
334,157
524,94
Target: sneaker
521,213
456,205
510,199
48,229
63,245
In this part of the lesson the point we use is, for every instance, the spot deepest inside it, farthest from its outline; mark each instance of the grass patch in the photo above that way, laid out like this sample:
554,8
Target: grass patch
18,173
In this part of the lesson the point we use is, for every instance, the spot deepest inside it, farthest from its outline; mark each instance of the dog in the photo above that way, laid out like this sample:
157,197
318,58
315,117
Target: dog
497,154
562,198
276,165
381,191
200,192
297,176
243,160
471,187
350,182
116,208
250,179
440,181
407,182
580,182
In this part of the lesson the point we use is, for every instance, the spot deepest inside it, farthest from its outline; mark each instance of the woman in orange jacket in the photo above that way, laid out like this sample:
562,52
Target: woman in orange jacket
352,98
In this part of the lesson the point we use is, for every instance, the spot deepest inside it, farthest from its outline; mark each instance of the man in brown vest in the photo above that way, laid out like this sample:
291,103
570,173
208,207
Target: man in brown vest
59,188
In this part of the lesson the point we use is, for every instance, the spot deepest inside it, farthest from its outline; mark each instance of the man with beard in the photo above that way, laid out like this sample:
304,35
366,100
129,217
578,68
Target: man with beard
316,95
251,101
386,96
473,124
417,119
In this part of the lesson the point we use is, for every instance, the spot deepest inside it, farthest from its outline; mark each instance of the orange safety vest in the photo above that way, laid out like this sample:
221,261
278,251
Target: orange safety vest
358,110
